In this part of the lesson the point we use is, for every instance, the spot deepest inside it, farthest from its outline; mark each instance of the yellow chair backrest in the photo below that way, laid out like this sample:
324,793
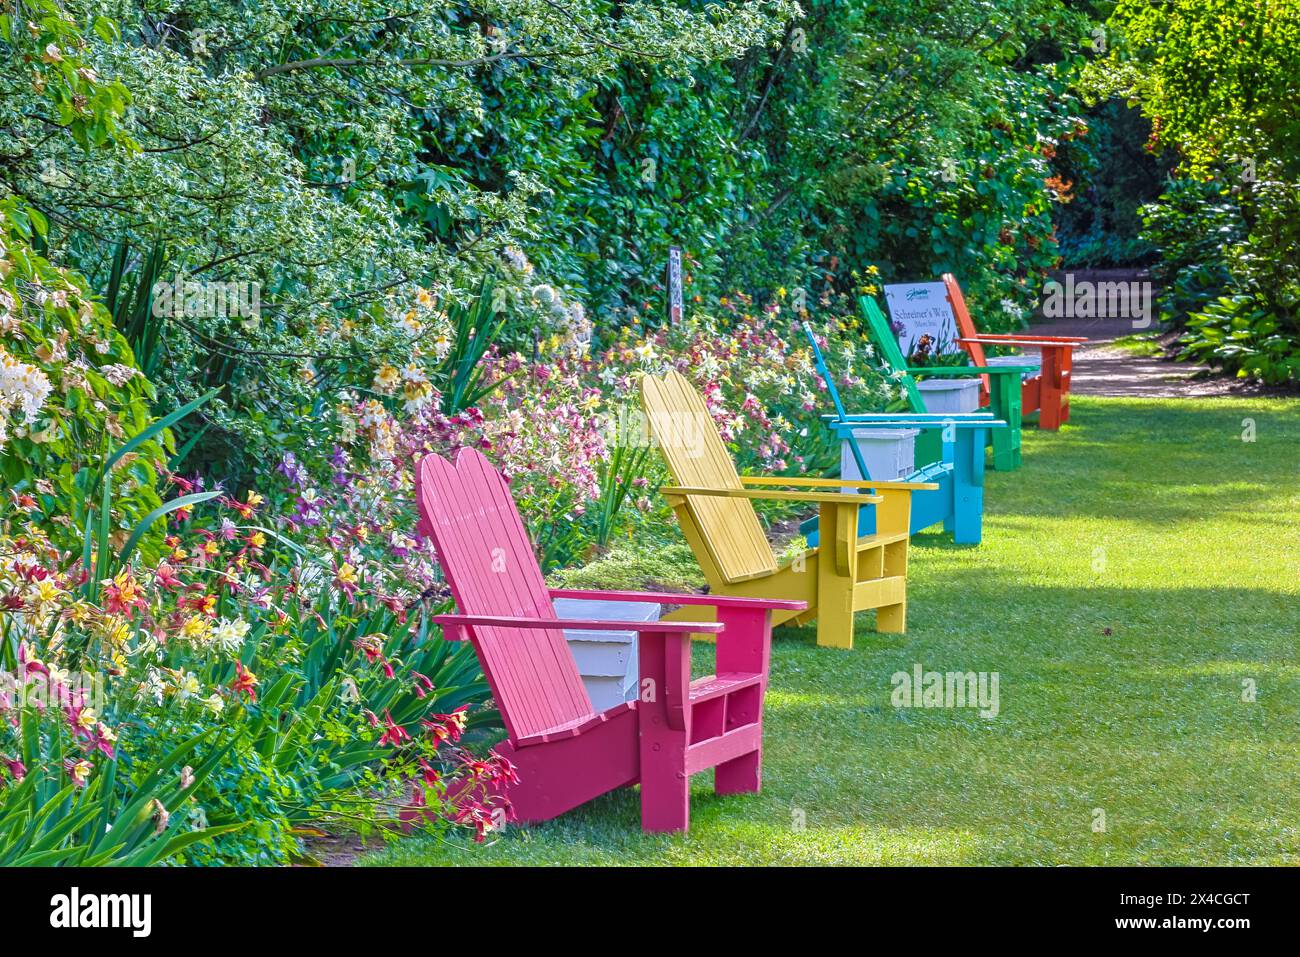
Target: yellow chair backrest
686,434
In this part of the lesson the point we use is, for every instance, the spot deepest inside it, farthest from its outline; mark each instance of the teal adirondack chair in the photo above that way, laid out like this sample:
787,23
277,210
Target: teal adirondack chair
958,502
1004,391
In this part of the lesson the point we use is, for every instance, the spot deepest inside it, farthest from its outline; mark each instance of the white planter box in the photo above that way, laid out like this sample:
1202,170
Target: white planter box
890,454
946,396
606,659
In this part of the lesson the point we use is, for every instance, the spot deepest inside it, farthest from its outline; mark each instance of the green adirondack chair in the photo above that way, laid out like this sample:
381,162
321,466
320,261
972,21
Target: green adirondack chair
1004,391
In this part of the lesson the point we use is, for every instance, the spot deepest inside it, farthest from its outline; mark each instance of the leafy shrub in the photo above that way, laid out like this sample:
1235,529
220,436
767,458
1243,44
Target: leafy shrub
70,393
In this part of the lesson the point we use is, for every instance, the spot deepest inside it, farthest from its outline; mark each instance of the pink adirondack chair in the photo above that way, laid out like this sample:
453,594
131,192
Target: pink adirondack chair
566,752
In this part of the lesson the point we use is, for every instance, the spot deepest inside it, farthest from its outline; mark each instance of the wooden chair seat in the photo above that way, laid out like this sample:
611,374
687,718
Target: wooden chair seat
575,726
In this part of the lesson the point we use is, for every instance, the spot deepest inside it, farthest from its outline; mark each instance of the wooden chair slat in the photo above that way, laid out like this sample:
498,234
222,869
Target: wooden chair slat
680,422
490,566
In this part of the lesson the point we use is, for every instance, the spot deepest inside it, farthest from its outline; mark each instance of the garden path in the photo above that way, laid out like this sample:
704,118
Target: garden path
1103,368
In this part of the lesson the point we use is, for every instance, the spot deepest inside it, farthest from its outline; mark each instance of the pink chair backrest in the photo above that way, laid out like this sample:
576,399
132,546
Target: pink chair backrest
490,565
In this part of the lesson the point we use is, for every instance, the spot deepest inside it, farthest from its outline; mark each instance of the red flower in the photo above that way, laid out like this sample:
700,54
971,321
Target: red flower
503,770
394,733
245,682
428,772
166,577
483,818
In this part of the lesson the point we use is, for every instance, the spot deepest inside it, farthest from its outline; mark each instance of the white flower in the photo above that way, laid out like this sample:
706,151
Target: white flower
229,635
22,387
516,260
119,375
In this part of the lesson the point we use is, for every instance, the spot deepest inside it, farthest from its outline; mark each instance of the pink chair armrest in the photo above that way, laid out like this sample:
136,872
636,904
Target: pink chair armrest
459,622
670,598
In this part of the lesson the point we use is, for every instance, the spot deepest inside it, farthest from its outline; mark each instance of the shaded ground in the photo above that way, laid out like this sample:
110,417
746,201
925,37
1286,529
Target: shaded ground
1138,594
1102,368
1137,369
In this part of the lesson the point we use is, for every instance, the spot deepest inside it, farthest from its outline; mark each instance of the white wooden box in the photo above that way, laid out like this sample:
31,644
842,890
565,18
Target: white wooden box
889,454
945,396
606,659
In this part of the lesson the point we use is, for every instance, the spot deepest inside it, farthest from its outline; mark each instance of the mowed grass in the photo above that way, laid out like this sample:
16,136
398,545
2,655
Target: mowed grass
1139,575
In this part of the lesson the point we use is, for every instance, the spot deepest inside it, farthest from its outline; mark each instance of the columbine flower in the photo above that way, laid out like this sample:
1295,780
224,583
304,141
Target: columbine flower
245,682
387,379
16,768
345,577
229,635
123,594
79,771
165,576
394,733
248,506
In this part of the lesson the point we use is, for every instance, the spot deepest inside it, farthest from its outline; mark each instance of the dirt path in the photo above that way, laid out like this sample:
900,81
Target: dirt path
1104,369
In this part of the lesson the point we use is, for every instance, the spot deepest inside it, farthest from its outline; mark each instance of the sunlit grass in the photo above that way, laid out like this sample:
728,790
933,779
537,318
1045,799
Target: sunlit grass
1138,575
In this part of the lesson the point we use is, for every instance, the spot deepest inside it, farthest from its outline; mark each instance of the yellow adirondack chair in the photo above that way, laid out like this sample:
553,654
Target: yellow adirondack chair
846,574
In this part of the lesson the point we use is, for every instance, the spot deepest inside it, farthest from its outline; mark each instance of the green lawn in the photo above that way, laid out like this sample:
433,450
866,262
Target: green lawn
1139,568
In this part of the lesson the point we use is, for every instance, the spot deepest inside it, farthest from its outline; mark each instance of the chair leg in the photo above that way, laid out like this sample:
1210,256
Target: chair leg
837,560
892,619
1006,449
663,732
742,775
665,801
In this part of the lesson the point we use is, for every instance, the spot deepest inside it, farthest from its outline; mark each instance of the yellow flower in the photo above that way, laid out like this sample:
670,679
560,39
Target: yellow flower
81,771
195,628
253,498
116,631
386,379
347,575
46,592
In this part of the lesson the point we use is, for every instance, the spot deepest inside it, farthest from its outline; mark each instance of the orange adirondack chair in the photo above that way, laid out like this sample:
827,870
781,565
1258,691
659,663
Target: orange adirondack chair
567,753
845,574
1048,392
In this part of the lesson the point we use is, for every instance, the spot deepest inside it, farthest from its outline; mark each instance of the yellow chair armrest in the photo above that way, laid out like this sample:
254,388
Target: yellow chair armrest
838,483
831,498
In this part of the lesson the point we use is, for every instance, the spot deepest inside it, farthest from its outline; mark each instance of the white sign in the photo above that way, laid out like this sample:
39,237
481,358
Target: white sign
675,312
922,309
